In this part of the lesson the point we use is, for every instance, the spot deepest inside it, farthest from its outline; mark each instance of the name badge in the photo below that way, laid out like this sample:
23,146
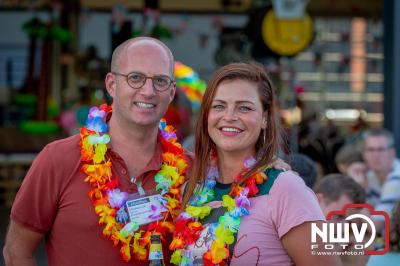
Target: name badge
140,209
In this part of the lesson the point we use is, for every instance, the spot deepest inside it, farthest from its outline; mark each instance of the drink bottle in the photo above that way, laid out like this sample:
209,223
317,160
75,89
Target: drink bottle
156,257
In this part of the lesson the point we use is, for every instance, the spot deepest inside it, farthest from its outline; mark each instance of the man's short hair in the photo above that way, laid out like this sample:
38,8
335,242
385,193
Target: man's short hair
333,186
348,154
380,132
117,53
304,166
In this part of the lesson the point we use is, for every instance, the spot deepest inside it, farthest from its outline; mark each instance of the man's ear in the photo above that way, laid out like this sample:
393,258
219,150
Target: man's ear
342,168
320,198
172,91
110,84
393,153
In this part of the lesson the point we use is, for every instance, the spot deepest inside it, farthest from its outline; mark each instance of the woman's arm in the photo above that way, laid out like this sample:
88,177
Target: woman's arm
297,242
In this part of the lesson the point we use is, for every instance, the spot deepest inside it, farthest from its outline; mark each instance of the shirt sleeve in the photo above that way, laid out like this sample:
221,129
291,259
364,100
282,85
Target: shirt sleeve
390,194
35,205
293,203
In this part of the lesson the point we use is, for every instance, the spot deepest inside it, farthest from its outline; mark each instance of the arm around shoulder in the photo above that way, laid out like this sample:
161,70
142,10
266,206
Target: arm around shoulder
21,244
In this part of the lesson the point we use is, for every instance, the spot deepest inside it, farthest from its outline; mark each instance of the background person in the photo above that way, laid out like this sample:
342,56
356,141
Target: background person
349,162
384,168
334,191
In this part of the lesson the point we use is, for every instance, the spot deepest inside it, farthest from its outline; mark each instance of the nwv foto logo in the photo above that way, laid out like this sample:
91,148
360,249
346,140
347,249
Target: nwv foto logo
337,234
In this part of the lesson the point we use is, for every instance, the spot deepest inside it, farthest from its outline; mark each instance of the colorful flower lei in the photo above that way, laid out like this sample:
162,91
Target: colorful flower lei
109,201
188,229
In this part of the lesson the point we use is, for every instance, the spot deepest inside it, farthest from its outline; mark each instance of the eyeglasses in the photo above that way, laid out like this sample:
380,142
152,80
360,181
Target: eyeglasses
378,149
137,80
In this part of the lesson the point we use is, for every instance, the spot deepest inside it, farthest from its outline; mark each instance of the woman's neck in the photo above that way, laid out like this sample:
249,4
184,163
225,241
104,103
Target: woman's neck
230,165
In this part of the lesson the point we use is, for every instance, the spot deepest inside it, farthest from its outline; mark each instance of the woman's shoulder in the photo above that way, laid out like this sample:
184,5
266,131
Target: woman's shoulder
278,180
288,181
290,187
292,202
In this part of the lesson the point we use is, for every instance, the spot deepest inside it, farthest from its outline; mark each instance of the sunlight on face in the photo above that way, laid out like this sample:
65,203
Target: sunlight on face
235,119
143,106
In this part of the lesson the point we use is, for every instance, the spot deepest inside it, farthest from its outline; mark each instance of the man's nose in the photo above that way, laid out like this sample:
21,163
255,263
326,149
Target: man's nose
148,88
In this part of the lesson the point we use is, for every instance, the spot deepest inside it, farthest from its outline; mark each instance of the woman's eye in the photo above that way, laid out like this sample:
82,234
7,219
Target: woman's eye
244,109
218,107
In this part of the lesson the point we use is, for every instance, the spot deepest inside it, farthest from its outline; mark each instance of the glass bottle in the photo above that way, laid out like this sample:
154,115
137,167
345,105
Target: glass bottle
156,257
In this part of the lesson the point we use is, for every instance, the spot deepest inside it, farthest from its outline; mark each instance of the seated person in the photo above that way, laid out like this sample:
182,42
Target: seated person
334,191
349,162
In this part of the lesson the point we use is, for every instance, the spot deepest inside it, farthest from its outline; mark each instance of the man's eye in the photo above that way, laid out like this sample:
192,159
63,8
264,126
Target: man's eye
135,78
161,81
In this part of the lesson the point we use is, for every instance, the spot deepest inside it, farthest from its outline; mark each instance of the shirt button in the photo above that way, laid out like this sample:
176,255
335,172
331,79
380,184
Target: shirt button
123,171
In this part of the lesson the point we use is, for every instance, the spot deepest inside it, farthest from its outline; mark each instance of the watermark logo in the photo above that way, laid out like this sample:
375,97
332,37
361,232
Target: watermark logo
356,230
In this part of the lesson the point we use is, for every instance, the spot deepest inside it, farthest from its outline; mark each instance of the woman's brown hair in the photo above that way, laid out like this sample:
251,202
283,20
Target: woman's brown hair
251,72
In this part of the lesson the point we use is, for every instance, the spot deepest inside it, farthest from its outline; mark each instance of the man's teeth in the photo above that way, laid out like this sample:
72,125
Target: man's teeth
231,129
144,105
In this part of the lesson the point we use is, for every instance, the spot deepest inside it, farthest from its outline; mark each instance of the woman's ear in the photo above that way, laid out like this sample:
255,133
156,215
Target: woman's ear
264,121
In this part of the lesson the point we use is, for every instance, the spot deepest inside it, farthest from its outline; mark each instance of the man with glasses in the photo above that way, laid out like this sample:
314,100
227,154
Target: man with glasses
384,168
53,202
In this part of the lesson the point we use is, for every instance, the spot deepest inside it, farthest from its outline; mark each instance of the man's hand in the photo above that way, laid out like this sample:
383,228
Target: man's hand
280,164
358,171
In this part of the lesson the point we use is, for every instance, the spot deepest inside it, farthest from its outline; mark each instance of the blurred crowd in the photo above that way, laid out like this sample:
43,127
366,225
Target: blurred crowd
365,170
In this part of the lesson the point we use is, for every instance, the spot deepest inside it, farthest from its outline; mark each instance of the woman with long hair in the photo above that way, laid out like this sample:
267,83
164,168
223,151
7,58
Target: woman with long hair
237,210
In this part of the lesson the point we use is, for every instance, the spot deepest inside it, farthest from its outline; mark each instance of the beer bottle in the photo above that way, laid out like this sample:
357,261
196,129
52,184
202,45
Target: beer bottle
156,257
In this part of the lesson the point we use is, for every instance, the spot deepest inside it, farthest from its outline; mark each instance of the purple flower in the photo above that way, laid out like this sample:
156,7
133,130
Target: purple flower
96,112
241,200
168,135
156,211
249,162
116,198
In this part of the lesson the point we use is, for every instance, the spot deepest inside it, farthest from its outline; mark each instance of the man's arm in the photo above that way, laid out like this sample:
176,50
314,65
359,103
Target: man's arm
297,243
20,246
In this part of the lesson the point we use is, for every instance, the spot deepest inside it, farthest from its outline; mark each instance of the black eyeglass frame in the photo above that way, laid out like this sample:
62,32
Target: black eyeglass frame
171,81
